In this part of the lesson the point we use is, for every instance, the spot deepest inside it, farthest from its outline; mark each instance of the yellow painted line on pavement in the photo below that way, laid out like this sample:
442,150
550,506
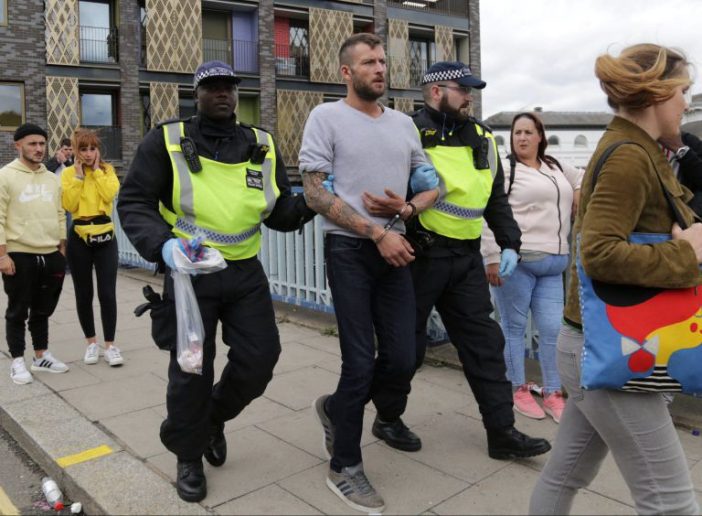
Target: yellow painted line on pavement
7,508
77,458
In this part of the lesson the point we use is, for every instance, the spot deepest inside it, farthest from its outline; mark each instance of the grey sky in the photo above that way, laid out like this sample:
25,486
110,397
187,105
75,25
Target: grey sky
542,52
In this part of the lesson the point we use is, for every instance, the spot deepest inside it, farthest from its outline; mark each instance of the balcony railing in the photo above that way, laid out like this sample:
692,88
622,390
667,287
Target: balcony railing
449,7
111,138
98,44
292,61
417,68
242,55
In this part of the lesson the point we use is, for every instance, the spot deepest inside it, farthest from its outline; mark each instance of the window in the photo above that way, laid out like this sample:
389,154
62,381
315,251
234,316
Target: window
3,12
553,140
581,141
11,106
98,110
216,36
422,56
186,107
98,36
248,110
292,47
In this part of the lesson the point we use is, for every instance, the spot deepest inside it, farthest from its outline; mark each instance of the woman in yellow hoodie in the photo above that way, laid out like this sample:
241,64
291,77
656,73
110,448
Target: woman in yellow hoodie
88,189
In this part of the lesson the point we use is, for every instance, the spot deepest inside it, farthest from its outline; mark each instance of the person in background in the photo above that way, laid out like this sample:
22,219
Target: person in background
89,187
646,86
543,195
684,151
62,159
32,251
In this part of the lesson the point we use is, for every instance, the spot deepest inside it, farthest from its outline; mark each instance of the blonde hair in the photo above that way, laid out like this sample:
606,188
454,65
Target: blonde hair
641,76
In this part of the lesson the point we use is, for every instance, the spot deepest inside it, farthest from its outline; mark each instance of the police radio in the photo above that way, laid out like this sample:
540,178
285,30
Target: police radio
480,155
257,153
187,146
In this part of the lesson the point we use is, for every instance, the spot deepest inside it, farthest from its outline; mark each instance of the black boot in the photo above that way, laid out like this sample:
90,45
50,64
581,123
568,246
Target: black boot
510,443
191,483
216,451
397,435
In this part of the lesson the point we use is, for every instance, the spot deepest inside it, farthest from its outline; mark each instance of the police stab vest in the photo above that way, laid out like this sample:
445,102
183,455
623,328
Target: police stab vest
224,203
464,190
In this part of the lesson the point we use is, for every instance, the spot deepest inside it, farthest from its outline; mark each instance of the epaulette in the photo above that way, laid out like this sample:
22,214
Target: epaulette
482,124
173,120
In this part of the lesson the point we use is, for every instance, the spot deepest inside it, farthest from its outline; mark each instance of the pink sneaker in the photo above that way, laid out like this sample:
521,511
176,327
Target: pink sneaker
525,404
554,404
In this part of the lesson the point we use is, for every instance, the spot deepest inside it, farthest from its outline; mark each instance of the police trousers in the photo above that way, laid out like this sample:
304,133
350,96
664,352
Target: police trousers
239,298
457,286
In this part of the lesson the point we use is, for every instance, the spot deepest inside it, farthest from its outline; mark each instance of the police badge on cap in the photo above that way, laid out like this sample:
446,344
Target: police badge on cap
214,70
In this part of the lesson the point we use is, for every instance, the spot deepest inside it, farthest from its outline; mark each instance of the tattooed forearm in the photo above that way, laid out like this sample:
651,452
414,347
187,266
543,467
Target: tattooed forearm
335,209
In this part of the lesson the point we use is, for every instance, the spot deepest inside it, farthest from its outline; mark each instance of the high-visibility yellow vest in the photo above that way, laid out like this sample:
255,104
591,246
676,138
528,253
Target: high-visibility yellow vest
463,190
224,203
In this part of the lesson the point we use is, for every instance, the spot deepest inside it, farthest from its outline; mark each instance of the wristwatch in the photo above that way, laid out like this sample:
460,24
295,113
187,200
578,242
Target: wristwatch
680,153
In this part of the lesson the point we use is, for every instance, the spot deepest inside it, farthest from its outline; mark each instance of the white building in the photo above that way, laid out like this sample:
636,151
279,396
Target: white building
692,120
572,135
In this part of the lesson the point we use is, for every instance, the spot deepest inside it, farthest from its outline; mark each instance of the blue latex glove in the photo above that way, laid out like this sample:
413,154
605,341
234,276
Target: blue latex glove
508,262
191,248
423,178
328,183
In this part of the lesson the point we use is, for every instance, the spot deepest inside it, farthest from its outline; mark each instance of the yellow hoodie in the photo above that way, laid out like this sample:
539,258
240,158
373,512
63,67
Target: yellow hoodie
32,219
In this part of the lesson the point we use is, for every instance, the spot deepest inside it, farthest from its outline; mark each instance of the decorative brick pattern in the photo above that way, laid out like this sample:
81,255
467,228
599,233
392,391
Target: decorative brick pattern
63,114
293,109
164,101
62,32
398,50
328,30
406,105
173,35
444,43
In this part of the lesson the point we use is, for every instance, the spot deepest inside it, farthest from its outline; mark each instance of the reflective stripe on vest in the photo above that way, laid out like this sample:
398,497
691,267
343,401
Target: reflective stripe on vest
184,219
463,190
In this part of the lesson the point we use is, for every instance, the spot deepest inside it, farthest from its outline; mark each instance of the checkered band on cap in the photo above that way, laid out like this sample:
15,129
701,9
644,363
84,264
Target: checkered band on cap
213,71
446,75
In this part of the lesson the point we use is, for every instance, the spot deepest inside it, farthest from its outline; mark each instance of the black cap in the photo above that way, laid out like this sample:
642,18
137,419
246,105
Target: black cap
214,70
28,129
452,71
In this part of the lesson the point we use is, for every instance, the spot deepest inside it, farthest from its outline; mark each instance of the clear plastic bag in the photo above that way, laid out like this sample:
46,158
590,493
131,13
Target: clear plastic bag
191,334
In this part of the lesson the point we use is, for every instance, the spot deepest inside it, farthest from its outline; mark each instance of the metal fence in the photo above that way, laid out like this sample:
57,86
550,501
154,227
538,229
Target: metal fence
292,61
450,7
98,44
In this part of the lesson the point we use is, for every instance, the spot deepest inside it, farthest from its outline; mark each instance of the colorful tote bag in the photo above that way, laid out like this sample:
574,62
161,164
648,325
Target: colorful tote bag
640,338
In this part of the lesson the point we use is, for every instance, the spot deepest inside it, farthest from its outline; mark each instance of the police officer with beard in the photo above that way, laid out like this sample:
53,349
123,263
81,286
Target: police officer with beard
215,178
448,270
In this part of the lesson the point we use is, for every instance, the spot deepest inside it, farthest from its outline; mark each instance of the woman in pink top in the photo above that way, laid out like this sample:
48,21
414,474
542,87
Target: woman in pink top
542,194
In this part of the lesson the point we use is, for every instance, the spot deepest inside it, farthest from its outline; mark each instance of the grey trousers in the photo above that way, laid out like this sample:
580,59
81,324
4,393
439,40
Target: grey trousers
635,427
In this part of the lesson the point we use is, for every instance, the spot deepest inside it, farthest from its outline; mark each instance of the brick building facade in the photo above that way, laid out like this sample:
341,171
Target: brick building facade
115,65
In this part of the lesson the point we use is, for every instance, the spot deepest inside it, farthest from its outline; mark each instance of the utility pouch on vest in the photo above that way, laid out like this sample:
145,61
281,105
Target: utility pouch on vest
480,155
95,232
257,153
163,317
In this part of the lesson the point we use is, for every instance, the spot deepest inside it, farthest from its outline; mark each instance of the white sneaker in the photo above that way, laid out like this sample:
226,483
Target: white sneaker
92,353
49,363
113,356
19,373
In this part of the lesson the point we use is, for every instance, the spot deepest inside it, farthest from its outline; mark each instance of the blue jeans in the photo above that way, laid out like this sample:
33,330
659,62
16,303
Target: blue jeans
535,285
371,298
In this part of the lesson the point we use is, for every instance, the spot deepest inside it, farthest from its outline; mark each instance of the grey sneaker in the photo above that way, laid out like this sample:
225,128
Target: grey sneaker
327,426
49,363
353,487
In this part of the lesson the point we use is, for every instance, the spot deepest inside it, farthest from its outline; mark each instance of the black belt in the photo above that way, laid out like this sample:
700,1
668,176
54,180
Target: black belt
100,219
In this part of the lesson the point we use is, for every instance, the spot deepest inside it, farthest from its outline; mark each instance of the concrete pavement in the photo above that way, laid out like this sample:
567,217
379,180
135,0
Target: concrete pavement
95,430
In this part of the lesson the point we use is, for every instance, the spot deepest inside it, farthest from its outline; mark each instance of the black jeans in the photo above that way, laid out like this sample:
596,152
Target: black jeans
82,259
370,297
457,285
33,291
239,297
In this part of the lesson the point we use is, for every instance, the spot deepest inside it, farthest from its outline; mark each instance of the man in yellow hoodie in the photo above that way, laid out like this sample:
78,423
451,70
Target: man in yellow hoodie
32,251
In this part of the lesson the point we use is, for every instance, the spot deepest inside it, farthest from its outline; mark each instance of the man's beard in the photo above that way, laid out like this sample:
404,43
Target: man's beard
365,91
460,114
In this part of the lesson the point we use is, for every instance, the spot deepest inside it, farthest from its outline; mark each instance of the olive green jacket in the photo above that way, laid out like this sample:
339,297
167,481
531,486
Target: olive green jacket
628,197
